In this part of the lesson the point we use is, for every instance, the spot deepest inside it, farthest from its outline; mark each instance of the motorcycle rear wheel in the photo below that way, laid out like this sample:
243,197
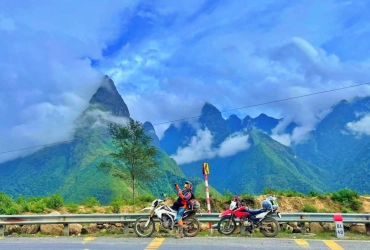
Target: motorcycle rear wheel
269,227
191,227
226,225
141,230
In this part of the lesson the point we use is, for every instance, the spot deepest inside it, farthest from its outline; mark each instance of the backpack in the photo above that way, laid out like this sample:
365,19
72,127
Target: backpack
193,204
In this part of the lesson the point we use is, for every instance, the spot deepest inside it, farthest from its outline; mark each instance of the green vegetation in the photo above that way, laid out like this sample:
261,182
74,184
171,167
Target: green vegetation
135,158
55,201
348,198
286,193
309,208
91,202
32,204
116,204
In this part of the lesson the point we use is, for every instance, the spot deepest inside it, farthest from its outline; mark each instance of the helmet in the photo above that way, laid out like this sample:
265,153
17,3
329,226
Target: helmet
188,185
272,199
270,203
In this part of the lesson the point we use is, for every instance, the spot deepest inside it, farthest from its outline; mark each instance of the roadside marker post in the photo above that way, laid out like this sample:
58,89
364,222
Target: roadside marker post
205,170
338,222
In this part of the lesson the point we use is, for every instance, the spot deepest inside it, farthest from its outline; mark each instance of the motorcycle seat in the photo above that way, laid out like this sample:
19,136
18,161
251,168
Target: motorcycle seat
255,211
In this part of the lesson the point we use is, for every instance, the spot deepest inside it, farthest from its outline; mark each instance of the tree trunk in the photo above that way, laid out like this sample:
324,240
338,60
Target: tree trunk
133,189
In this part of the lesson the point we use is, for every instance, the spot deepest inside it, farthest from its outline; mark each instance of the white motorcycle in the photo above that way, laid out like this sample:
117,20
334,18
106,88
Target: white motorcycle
145,225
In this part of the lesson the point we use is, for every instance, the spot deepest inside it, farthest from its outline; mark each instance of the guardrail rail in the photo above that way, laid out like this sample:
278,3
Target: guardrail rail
127,218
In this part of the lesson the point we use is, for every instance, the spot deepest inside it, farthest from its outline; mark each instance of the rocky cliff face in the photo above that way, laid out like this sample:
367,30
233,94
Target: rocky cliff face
108,99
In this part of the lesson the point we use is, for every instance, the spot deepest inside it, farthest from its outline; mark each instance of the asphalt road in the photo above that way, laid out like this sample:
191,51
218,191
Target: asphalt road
210,243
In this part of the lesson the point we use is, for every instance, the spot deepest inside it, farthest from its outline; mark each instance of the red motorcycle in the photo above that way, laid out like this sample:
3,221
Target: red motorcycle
250,218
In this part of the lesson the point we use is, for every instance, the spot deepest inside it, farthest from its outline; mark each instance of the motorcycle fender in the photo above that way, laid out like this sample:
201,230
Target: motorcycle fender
261,215
147,208
225,213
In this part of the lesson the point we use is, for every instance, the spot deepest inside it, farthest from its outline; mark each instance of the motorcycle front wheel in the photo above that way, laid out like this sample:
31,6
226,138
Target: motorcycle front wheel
191,227
269,227
226,225
144,226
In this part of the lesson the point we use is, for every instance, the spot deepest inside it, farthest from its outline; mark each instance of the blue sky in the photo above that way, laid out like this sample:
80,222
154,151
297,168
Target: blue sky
168,57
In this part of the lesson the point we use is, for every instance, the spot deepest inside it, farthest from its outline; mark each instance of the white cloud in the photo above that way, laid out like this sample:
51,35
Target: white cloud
233,145
284,139
202,54
170,58
200,147
361,126
103,119
46,78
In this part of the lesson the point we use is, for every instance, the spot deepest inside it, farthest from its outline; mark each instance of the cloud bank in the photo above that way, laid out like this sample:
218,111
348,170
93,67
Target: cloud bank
360,127
46,77
200,147
168,58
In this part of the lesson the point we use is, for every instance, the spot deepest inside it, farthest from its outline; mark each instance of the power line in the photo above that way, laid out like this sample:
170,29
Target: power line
39,146
193,117
260,104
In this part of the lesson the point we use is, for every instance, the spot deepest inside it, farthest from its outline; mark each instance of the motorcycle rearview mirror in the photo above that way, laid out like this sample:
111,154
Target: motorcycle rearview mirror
164,196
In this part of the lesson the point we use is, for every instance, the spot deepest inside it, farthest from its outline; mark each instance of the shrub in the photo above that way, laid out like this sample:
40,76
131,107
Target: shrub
148,198
346,210
286,193
269,191
38,207
356,205
25,205
5,203
14,209
348,198
313,194
116,204
308,208
90,202
227,196
345,195
248,200
72,208
55,201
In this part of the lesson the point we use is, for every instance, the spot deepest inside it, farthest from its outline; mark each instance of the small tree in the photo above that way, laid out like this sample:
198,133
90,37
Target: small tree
135,156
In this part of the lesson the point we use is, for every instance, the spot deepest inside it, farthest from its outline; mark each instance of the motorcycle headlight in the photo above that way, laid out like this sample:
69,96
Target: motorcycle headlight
154,203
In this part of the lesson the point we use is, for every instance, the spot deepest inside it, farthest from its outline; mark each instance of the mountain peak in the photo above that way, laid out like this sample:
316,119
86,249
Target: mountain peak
212,119
108,99
234,122
209,109
265,123
149,129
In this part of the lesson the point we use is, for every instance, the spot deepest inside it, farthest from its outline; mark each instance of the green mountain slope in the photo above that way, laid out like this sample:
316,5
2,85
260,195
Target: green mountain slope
266,164
336,149
71,169
355,173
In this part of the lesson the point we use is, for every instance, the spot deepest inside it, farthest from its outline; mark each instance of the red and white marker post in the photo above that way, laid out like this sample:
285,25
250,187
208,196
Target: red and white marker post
338,223
205,170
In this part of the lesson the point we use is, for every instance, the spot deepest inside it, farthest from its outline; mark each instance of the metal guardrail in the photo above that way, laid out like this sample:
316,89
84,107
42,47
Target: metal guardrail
128,218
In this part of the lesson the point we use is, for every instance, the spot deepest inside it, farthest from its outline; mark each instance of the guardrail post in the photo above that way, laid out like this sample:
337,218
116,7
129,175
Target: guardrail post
2,230
367,226
302,225
242,228
125,228
66,230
